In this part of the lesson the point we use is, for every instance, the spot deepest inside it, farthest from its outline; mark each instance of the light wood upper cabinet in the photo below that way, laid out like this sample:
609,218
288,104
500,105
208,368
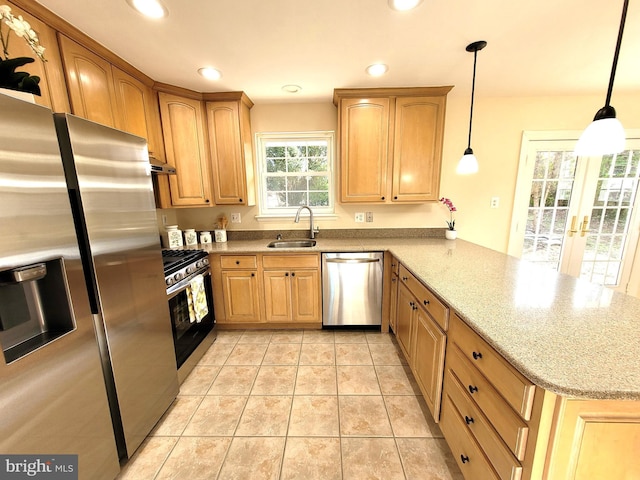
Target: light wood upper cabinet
90,84
52,87
231,149
364,139
137,107
390,143
186,150
417,148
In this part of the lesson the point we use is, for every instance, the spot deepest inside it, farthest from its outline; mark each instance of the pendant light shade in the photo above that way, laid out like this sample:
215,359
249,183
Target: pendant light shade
605,134
469,163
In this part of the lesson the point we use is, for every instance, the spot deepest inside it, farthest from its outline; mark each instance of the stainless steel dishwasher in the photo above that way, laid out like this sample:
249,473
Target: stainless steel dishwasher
352,289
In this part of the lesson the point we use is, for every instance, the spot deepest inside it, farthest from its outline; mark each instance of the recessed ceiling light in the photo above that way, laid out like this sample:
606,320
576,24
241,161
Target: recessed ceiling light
377,69
402,5
292,88
149,8
210,73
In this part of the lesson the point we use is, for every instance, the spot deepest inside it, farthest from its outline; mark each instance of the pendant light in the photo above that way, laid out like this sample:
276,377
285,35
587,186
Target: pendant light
605,134
469,163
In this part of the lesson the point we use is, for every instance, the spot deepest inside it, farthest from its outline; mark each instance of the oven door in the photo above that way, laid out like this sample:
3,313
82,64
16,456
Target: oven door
187,331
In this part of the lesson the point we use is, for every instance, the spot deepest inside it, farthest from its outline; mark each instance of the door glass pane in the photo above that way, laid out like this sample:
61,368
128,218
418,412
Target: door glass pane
551,190
612,208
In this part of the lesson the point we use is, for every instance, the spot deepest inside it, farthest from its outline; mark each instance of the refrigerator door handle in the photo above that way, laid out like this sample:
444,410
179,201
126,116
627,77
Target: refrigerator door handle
85,250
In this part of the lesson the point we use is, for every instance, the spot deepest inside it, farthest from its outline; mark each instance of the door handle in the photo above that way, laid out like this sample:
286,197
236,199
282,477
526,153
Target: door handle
583,226
573,228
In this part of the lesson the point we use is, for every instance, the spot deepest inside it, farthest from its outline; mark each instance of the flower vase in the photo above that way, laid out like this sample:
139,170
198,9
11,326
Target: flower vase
451,234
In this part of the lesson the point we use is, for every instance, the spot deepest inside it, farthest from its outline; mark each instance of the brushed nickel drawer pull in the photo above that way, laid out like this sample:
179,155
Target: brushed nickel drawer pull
473,389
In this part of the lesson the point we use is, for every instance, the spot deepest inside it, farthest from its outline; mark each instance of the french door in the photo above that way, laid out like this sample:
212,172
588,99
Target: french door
577,215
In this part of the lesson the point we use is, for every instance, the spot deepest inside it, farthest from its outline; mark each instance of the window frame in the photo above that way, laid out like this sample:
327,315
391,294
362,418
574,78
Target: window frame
262,139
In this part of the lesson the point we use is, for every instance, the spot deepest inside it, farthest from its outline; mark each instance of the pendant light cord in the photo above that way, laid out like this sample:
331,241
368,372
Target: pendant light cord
615,55
473,90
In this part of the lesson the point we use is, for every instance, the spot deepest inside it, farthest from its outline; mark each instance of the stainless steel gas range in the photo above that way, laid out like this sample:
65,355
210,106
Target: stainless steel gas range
188,280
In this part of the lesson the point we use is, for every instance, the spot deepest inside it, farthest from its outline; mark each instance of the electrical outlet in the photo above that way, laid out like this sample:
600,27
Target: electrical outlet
369,216
495,202
359,217
235,218
164,220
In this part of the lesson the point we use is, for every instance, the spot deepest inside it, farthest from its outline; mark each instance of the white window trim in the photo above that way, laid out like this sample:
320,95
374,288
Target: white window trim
325,213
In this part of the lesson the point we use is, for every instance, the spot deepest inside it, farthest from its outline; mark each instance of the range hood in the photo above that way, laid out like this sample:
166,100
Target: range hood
160,168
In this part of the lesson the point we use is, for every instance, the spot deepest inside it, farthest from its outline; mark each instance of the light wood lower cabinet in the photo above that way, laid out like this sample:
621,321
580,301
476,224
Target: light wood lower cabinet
500,425
254,290
421,339
236,288
292,288
429,344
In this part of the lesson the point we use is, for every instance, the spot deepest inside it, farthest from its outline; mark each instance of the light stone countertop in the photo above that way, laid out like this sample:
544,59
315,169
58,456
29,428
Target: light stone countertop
568,336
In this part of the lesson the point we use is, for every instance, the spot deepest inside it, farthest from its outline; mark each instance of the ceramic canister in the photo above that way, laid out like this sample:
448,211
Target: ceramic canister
221,235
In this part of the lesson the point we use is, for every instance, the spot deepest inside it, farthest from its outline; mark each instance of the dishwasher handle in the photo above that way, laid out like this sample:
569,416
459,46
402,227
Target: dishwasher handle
352,260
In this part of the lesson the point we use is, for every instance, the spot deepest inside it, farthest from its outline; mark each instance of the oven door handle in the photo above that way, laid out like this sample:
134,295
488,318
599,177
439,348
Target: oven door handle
184,287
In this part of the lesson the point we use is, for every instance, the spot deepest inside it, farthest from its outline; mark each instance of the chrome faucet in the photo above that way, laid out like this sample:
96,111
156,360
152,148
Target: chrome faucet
312,230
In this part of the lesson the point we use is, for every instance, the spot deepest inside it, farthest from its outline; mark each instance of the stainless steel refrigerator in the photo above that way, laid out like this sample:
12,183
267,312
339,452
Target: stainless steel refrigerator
88,361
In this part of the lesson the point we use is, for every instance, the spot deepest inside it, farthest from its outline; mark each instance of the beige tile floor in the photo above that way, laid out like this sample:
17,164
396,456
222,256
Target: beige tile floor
307,404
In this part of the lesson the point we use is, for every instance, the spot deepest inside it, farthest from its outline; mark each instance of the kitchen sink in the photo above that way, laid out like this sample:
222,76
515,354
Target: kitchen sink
292,244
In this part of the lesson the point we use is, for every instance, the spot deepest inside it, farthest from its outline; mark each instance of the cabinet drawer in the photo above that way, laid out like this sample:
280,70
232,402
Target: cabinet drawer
516,389
438,310
238,261
472,462
498,454
505,421
290,261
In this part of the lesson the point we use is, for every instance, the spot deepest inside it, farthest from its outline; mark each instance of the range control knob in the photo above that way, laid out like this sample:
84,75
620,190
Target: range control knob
202,263
178,276
191,269
168,281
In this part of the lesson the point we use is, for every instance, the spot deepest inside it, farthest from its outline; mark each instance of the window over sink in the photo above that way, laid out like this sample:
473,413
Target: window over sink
295,169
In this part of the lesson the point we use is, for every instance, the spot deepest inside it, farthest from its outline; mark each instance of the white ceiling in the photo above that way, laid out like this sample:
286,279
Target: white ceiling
535,47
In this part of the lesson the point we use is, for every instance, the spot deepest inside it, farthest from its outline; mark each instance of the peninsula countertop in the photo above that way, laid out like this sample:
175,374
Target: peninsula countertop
566,335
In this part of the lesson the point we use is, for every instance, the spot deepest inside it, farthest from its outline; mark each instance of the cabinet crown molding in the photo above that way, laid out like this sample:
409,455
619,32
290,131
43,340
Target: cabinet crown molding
339,93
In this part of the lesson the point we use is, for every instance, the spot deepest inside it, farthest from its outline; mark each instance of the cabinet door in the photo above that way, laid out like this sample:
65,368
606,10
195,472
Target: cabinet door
364,142
305,295
185,143
406,305
90,84
240,293
227,152
136,104
277,296
417,148
428,359
52,87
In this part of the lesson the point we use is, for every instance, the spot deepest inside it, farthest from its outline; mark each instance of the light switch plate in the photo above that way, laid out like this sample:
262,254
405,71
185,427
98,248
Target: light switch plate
495,202
359,217
235,218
